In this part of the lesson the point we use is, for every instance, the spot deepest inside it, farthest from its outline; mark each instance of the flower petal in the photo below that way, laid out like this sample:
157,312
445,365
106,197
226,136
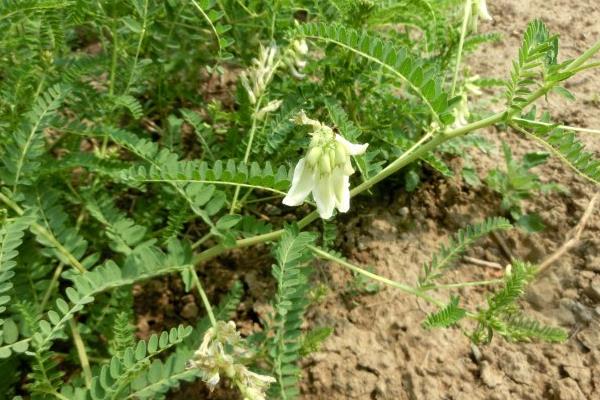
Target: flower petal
324,196
341,184
352,148
302,183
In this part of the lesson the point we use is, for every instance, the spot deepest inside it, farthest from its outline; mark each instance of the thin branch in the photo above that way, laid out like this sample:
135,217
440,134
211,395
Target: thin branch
482,263
574,239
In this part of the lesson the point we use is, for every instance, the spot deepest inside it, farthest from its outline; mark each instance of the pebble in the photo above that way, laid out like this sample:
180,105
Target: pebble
189,311
593,290
489,375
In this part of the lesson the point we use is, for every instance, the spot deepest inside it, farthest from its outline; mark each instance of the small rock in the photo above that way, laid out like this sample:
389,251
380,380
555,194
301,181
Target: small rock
564,314
590,337
581,312
566,389
489,375
189,311
593,290
542,294
516,366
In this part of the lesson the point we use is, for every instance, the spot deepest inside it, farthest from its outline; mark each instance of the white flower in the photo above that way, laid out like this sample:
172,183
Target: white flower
221,351
325,171
294,58
257,77
483,11
461,112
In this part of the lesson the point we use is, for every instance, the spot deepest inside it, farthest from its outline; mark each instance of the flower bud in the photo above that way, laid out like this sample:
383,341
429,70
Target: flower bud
229,370
313,156
332,158
325,165
340,153
301,46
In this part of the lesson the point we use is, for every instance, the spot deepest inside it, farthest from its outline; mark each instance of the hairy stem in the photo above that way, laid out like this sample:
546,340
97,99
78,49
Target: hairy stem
247,153
403,287
83,358
203,296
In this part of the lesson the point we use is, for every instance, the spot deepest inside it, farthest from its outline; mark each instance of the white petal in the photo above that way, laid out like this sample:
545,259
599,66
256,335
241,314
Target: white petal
353,149
483,11
302,183
324,196
341,184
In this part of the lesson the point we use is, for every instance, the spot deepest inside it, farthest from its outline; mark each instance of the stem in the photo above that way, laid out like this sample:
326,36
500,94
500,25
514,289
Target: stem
51,286
40,230
83,358
403,287
210,23
585,67
247,154
202,294
139,46
468,284
203,239
113,74
566,127
461,43
589,53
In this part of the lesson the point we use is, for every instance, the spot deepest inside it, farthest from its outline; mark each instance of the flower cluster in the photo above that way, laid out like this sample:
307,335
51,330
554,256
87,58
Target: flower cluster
461,111
325,170
295,58
256,78
219,354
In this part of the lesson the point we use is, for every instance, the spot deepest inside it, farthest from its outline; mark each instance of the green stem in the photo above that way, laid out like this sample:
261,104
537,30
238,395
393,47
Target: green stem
83,358
589,53
461,43
585,67
139,46
40,230
113,76
51,286
403,287
203,296
203,239
247,153
565,127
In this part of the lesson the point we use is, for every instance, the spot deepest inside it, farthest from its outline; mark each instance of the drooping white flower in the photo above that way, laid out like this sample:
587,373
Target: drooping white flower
324,171
222,352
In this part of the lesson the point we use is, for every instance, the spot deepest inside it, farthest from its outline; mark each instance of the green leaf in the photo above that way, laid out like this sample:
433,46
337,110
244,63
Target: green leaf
445,317
531,223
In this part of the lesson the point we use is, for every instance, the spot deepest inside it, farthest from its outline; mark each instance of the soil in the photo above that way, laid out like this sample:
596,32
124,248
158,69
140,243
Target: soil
378,349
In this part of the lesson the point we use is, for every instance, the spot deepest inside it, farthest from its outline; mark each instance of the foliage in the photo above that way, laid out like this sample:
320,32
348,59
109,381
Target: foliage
292,275
133,150
518,183
464,238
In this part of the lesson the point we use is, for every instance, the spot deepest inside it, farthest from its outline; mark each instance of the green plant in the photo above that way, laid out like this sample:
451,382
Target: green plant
518,183
143,139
